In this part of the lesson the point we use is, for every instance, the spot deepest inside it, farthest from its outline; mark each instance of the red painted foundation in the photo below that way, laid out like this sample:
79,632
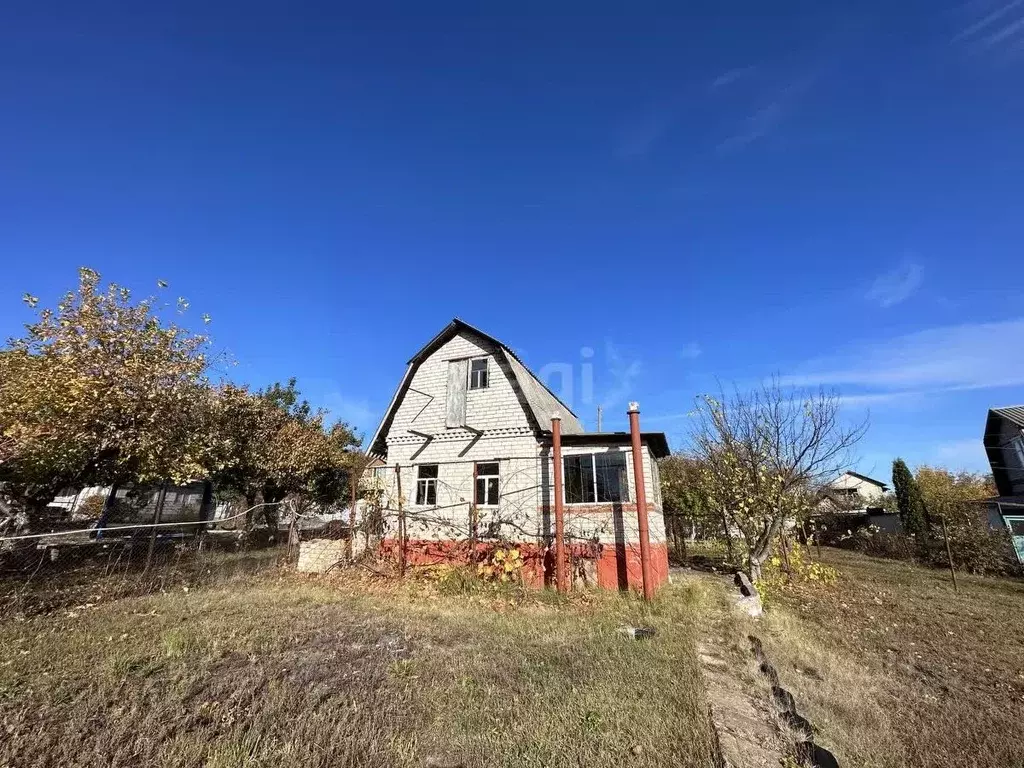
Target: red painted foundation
618,566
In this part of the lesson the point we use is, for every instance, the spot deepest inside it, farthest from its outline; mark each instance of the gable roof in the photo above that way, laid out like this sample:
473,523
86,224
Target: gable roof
1014,414
537,399
865,478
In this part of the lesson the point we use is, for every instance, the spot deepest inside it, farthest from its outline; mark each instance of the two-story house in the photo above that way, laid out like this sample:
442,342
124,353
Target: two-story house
467,446
1004,444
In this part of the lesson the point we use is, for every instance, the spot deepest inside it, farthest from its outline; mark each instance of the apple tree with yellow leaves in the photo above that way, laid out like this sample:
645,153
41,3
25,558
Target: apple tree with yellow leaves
101,389
764,454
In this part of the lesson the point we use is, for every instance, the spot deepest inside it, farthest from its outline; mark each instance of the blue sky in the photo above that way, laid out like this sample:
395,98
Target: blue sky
829,192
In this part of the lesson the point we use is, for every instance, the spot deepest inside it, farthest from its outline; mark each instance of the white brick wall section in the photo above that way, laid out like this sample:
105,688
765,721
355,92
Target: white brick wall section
525,483
495,407
506,434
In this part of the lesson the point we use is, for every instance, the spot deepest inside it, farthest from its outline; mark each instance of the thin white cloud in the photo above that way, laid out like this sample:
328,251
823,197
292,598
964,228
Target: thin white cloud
967,453
622,372
356,412
877,398
691,351
897,285
1004,33
756,126
776,105
1001,28
642,135
731,76
661,418
949,358
986,22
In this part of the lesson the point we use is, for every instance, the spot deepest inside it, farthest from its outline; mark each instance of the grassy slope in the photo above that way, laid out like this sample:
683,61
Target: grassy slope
912,674
293,672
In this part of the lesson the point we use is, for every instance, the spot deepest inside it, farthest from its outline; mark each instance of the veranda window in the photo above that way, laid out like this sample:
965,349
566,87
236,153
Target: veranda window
596,478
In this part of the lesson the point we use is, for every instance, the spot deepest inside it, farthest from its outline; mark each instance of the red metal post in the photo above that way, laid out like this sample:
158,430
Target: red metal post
556,454
641,500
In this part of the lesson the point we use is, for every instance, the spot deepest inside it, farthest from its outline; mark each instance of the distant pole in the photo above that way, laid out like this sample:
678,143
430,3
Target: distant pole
556,455
949,554
641,501
599,410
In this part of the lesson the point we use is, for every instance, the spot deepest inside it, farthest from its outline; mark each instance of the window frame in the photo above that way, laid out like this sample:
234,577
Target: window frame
486,477
1018,448
426,485
624,487
485,373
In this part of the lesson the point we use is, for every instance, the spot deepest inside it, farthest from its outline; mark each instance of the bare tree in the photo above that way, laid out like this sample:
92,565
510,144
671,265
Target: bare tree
765,452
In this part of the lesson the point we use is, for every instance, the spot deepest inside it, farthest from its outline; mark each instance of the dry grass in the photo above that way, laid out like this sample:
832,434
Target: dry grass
284,671
896,669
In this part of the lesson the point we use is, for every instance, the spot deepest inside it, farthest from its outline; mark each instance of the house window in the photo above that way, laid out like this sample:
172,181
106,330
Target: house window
596,478
478,374
1018,448
426,485
487,478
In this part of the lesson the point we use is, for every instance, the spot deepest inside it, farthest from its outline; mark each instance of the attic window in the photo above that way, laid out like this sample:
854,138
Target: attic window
478,374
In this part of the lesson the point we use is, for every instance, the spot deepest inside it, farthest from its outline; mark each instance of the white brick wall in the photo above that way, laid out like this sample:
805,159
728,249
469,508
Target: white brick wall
423,407
505,434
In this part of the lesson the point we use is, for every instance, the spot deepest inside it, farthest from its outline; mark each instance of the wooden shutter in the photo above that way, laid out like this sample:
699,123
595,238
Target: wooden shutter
458,376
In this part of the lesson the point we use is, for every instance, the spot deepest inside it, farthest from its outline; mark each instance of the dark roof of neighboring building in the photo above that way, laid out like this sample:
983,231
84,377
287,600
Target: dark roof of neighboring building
656,441
865,478
1014,414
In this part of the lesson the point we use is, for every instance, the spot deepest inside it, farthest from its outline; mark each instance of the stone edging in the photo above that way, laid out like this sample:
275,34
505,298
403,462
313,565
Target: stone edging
806,749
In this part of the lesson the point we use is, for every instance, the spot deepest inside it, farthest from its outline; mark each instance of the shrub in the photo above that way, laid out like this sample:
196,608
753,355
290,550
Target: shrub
977,549
790,569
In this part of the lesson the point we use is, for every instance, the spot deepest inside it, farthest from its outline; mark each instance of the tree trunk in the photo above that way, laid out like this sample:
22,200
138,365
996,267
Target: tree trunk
108,507
728,537
755,569
250,502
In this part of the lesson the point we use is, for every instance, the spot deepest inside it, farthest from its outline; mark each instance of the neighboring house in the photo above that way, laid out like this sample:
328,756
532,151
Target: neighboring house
182,503
858,497
860,490
1004,444
468,438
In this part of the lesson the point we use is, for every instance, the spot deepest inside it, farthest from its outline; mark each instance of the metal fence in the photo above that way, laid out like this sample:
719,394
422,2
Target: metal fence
42,572
405,520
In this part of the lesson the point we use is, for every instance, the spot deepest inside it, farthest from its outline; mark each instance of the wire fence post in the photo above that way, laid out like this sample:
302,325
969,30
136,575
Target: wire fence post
401,523
473,518
156,524
949,554
352,516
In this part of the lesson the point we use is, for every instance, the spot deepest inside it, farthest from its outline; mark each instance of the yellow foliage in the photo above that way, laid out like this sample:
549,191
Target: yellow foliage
777,577
502,566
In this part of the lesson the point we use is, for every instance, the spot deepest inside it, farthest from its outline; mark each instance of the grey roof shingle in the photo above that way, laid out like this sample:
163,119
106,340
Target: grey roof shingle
1014,413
